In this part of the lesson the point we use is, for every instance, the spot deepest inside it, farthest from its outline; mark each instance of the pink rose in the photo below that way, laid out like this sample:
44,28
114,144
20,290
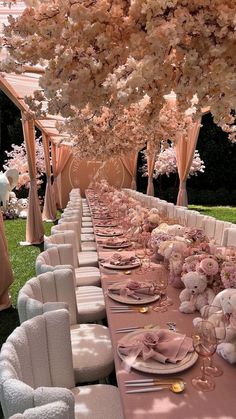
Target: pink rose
209,266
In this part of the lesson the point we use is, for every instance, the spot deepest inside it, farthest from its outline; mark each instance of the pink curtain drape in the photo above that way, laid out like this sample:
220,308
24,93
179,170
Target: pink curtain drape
34,224
49,208
151,158
60,156
130,163
185,149
6,274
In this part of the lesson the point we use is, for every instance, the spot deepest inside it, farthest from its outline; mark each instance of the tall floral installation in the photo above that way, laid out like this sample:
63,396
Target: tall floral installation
17,159
166,163
114,53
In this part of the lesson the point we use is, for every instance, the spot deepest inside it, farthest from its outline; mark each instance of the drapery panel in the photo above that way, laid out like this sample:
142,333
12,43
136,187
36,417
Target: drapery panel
185,149
130,163
49,208
6,274
60,156
34,224
151,158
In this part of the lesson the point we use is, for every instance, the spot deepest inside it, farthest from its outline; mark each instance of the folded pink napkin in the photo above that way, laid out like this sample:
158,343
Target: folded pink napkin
161,345
135,289
115,242
106,231
120,260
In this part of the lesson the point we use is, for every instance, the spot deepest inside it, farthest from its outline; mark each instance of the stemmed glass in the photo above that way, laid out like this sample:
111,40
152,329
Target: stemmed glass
162,284
140,254
216,316
205,343
149,252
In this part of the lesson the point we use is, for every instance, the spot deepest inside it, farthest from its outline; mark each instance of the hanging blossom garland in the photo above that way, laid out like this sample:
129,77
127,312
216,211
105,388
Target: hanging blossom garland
119,51
17,159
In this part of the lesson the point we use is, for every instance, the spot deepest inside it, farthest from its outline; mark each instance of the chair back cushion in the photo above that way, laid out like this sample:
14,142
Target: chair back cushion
36,354
53,257
64,237
49,291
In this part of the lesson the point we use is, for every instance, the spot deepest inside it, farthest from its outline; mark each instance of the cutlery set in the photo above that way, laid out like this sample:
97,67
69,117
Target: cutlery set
128,309
175,385
129,329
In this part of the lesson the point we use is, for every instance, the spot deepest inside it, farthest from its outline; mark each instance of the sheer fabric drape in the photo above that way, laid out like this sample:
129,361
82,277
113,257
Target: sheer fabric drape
185,149
130,163
49,209
60,156
151,158
34,224
6,274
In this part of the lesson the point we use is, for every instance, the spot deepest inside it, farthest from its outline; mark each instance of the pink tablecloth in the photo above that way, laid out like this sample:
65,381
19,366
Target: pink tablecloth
218,404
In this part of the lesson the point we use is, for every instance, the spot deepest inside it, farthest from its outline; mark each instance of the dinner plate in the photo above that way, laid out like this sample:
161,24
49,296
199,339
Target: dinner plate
128,266
116,246
154,367
129,300
105,225
109,234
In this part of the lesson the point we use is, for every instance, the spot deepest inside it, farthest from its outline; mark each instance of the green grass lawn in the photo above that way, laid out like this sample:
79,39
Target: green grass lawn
23,264
220,213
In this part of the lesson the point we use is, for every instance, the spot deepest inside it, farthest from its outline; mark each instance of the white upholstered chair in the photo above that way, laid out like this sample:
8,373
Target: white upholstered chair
37,368
74,225
59,255
91,345
88,226
81,259
54,410
209,225
71,218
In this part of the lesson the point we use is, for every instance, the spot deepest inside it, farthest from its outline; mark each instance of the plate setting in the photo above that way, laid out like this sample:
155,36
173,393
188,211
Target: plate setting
151,365
142,299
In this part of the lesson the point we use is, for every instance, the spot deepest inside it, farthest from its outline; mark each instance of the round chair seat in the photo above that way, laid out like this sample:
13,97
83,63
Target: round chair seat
88,247
87,230
87,237
88,259
92,352
90,304
102,399
87,275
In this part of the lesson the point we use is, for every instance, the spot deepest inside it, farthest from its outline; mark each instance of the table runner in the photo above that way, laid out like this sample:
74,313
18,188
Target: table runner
192,404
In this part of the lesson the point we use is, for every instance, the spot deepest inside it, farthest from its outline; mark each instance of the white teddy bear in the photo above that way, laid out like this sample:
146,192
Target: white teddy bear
196,294
22,207
226,300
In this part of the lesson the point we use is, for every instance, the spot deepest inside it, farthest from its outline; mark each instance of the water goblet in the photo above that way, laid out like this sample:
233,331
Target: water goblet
216,316
140,254
205,343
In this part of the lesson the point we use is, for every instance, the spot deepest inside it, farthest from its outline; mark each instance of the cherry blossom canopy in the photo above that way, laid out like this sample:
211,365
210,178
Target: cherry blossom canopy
18,86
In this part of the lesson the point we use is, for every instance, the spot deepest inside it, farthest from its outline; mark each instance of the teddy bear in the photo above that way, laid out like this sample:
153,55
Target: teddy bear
226,300
196,294
22,207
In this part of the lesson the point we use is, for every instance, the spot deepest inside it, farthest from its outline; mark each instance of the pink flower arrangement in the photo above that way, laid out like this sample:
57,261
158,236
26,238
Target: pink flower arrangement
209,266
228,274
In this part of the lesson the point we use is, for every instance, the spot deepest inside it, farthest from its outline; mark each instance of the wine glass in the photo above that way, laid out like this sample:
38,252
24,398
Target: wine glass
205,343
150,251
140,254
216,316
162,284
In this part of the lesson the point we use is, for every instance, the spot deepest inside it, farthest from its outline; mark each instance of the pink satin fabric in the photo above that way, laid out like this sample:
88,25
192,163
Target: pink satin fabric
49,208
185,149
130,163
60,156
34,224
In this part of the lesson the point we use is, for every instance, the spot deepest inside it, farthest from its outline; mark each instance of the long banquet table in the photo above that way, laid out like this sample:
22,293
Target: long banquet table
191,404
